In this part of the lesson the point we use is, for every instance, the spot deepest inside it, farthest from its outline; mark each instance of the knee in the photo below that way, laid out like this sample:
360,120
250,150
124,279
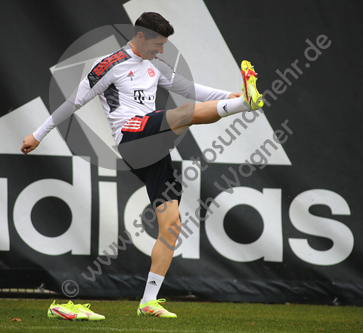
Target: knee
173,224
182,115
187,112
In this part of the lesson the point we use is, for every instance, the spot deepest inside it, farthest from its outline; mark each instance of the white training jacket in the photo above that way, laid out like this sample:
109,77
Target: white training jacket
126,85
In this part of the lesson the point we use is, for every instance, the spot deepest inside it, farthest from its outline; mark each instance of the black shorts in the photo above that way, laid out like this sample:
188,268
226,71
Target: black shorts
145,149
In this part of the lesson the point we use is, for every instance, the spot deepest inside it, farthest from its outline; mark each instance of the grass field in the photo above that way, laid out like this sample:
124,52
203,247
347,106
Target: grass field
192,317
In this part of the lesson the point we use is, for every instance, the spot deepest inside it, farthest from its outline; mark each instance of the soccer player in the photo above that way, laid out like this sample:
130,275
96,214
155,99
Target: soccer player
126,83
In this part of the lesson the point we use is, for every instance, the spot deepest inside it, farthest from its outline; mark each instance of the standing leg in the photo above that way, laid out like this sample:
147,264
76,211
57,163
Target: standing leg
161,256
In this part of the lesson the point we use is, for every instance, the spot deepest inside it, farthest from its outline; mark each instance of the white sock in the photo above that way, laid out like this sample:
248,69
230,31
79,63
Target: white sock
153,284
227,107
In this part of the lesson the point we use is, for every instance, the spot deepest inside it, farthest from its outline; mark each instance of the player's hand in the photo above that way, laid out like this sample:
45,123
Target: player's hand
29,144
235,95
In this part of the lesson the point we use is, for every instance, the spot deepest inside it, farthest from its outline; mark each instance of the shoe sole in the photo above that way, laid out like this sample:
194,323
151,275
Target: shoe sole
63,316
140,313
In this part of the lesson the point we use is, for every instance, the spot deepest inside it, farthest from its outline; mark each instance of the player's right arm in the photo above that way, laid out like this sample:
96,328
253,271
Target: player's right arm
81,96
29,144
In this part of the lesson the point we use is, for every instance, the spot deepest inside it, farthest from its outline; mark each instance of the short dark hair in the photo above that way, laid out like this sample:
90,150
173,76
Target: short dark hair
152,25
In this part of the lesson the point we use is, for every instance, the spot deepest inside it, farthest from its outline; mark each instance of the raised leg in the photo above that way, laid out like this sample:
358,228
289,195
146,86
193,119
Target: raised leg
182,117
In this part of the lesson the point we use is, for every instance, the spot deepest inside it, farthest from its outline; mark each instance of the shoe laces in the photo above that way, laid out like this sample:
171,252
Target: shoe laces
157,303
85,307
70,306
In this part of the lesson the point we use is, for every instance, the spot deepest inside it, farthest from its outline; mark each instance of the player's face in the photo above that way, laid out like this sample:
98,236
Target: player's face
149,48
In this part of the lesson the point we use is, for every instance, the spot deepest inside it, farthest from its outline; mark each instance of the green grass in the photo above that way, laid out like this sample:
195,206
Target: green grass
192,317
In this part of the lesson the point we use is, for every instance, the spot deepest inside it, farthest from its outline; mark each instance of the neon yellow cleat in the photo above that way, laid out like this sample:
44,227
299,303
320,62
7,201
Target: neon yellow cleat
153,308
65,311
85,309
250,92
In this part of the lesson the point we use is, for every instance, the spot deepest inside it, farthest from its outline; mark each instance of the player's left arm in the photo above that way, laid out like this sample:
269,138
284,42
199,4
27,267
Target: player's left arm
178,84
235,95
